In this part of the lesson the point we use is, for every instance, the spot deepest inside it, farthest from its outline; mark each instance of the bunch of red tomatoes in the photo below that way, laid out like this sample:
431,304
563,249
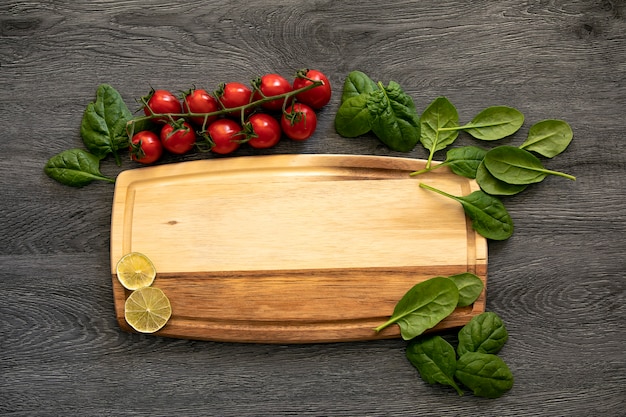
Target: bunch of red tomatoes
235,114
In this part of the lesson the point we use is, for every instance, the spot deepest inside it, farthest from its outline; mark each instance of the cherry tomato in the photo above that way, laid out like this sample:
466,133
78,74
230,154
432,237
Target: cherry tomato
271,85
146,147
266,131
162,102
178,138
225,134
316,97
299,121
199,101
233,95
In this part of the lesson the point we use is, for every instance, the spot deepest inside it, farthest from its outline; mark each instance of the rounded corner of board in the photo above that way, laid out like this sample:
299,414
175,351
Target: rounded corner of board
121,178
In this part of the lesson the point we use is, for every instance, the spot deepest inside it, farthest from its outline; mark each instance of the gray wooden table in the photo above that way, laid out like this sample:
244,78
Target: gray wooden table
558,283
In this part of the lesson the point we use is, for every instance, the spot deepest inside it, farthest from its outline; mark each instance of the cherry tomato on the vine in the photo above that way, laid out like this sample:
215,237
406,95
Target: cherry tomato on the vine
266,131
178,138
199,101
316,97
298,121
146,147
233,95
226,135
162,102
271,85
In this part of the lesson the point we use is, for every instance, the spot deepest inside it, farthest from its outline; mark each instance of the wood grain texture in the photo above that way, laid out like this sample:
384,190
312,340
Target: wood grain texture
293,248
558,283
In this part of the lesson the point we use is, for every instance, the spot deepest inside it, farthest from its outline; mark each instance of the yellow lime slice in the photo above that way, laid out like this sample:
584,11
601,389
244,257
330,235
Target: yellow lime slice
147,309
135,271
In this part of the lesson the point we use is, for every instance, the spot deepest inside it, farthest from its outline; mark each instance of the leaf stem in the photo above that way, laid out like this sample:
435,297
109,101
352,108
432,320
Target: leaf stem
433,148
428,187
453,128
469,126
116,156
425,170
392,320
560,174
386,324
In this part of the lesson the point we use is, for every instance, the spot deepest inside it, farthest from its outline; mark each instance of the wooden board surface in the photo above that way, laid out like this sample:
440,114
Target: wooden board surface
292,248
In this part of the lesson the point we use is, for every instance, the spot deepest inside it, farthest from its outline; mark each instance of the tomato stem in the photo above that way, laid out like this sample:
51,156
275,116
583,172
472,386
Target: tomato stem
242,109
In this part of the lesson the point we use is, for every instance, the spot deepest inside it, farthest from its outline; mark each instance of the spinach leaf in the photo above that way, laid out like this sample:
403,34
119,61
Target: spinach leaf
353,118
485,374
493,123
103,127
394,119
75,167
489,216
141,124
439,114
548,138
469,285
463,161
435,359
491,185
517,166
484,333
386,111
423,306
357,83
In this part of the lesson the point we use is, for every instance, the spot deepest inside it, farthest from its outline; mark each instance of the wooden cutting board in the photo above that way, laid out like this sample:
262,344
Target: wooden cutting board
292,248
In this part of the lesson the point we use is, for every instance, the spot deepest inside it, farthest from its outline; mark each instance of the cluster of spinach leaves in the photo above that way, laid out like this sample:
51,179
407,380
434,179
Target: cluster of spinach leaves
478,368
391,115
388,112
473,364
103,131
501,170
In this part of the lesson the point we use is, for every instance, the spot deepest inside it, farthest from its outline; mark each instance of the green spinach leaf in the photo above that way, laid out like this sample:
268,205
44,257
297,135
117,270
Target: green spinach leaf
103,127
353,118
491,185
485,374
493,123
394,118
386,111
463,161
357,83
489,216
548,138
435,359
423,306
485,333
469,285
517,166
75,167
439,114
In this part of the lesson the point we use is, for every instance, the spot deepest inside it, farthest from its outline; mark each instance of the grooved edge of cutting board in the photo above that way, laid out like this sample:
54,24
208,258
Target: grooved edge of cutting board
292,248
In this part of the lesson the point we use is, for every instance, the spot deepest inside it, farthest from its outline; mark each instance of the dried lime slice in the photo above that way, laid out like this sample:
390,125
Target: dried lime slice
135,270
147,309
